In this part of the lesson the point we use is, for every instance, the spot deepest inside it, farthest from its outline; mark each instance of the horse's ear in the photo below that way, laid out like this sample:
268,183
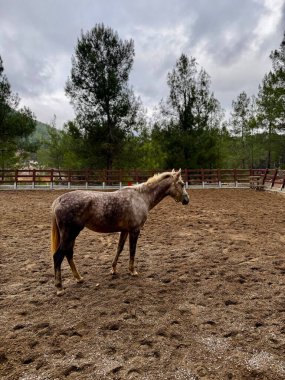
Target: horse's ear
178,173
173,171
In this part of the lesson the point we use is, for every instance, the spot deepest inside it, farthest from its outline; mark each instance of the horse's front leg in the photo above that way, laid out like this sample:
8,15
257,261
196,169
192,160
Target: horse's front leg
133,244
123,237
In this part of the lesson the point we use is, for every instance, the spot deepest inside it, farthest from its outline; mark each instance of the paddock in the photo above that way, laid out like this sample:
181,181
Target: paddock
209,301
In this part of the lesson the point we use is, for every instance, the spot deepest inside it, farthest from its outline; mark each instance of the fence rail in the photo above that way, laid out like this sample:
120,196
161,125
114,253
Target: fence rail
52,178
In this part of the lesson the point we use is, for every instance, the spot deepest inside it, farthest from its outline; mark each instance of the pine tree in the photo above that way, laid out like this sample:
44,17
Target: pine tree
15,124
104,104
271,100
192,116
243,124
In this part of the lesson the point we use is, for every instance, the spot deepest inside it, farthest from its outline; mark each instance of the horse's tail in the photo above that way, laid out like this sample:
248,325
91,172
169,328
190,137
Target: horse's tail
54,237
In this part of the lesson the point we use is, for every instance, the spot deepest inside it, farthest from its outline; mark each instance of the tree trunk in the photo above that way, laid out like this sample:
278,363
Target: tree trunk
269,147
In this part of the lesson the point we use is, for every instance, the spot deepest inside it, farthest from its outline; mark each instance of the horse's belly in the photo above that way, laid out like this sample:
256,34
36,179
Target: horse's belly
103,229
121,225
115,218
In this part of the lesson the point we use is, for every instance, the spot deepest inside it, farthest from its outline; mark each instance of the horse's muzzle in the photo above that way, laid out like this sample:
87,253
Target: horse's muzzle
185,199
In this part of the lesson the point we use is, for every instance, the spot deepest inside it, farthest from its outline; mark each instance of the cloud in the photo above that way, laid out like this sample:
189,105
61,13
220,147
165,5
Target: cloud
232,40
50,105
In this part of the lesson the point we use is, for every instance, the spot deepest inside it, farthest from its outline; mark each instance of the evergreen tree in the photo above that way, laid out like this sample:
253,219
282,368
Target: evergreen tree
105,106
15,124
271,101
243,123
192,117
278,63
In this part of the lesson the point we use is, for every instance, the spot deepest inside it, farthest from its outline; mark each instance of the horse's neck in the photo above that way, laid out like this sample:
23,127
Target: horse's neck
156,192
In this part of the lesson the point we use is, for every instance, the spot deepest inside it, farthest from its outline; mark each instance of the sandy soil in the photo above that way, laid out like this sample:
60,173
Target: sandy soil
208,303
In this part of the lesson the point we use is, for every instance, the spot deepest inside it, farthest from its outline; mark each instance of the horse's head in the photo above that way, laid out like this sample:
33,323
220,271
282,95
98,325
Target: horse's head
177,189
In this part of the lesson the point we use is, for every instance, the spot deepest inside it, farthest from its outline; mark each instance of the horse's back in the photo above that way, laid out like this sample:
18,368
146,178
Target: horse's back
117,211
72,208
101,211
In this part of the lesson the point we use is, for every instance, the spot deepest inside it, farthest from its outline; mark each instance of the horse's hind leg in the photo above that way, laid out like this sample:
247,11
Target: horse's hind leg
134,235
123,237
67,239
57,259
71,263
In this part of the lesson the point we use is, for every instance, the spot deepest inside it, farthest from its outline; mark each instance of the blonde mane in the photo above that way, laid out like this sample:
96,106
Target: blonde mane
152,180
159,177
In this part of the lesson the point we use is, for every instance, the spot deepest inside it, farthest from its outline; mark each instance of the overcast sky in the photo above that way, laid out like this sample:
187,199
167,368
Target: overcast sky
231,40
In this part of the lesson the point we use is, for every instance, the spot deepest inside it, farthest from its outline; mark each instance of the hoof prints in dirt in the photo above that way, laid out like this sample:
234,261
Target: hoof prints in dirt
208,303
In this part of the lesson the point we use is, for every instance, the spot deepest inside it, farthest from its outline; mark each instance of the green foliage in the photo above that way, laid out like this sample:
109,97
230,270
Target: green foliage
243,124
111,129
98,88
142,151
15,125
271,102
40,133
58,149
191,116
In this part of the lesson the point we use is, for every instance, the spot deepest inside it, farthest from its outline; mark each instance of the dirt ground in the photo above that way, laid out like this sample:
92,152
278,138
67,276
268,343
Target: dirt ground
209,301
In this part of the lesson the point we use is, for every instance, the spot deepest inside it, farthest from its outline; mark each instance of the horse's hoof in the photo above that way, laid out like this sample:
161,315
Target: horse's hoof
59,292
113,272
134,273
80,280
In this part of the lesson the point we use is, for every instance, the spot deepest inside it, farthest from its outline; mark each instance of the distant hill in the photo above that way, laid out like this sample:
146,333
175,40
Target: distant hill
41,132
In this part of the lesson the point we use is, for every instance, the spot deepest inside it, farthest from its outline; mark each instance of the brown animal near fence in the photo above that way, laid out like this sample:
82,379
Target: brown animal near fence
123,211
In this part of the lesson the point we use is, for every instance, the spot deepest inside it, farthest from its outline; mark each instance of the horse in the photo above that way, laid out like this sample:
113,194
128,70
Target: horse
123,211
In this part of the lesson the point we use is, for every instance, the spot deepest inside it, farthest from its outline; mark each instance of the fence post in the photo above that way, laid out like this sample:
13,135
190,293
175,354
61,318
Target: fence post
120,177
235,177
16,179
51,179
186,177
34,179
86,178
265,175
189,178
274,178
69,180
219,177
283,182
202,177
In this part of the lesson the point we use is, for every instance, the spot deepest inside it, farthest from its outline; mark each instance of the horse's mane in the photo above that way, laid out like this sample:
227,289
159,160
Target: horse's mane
158,177
154,179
